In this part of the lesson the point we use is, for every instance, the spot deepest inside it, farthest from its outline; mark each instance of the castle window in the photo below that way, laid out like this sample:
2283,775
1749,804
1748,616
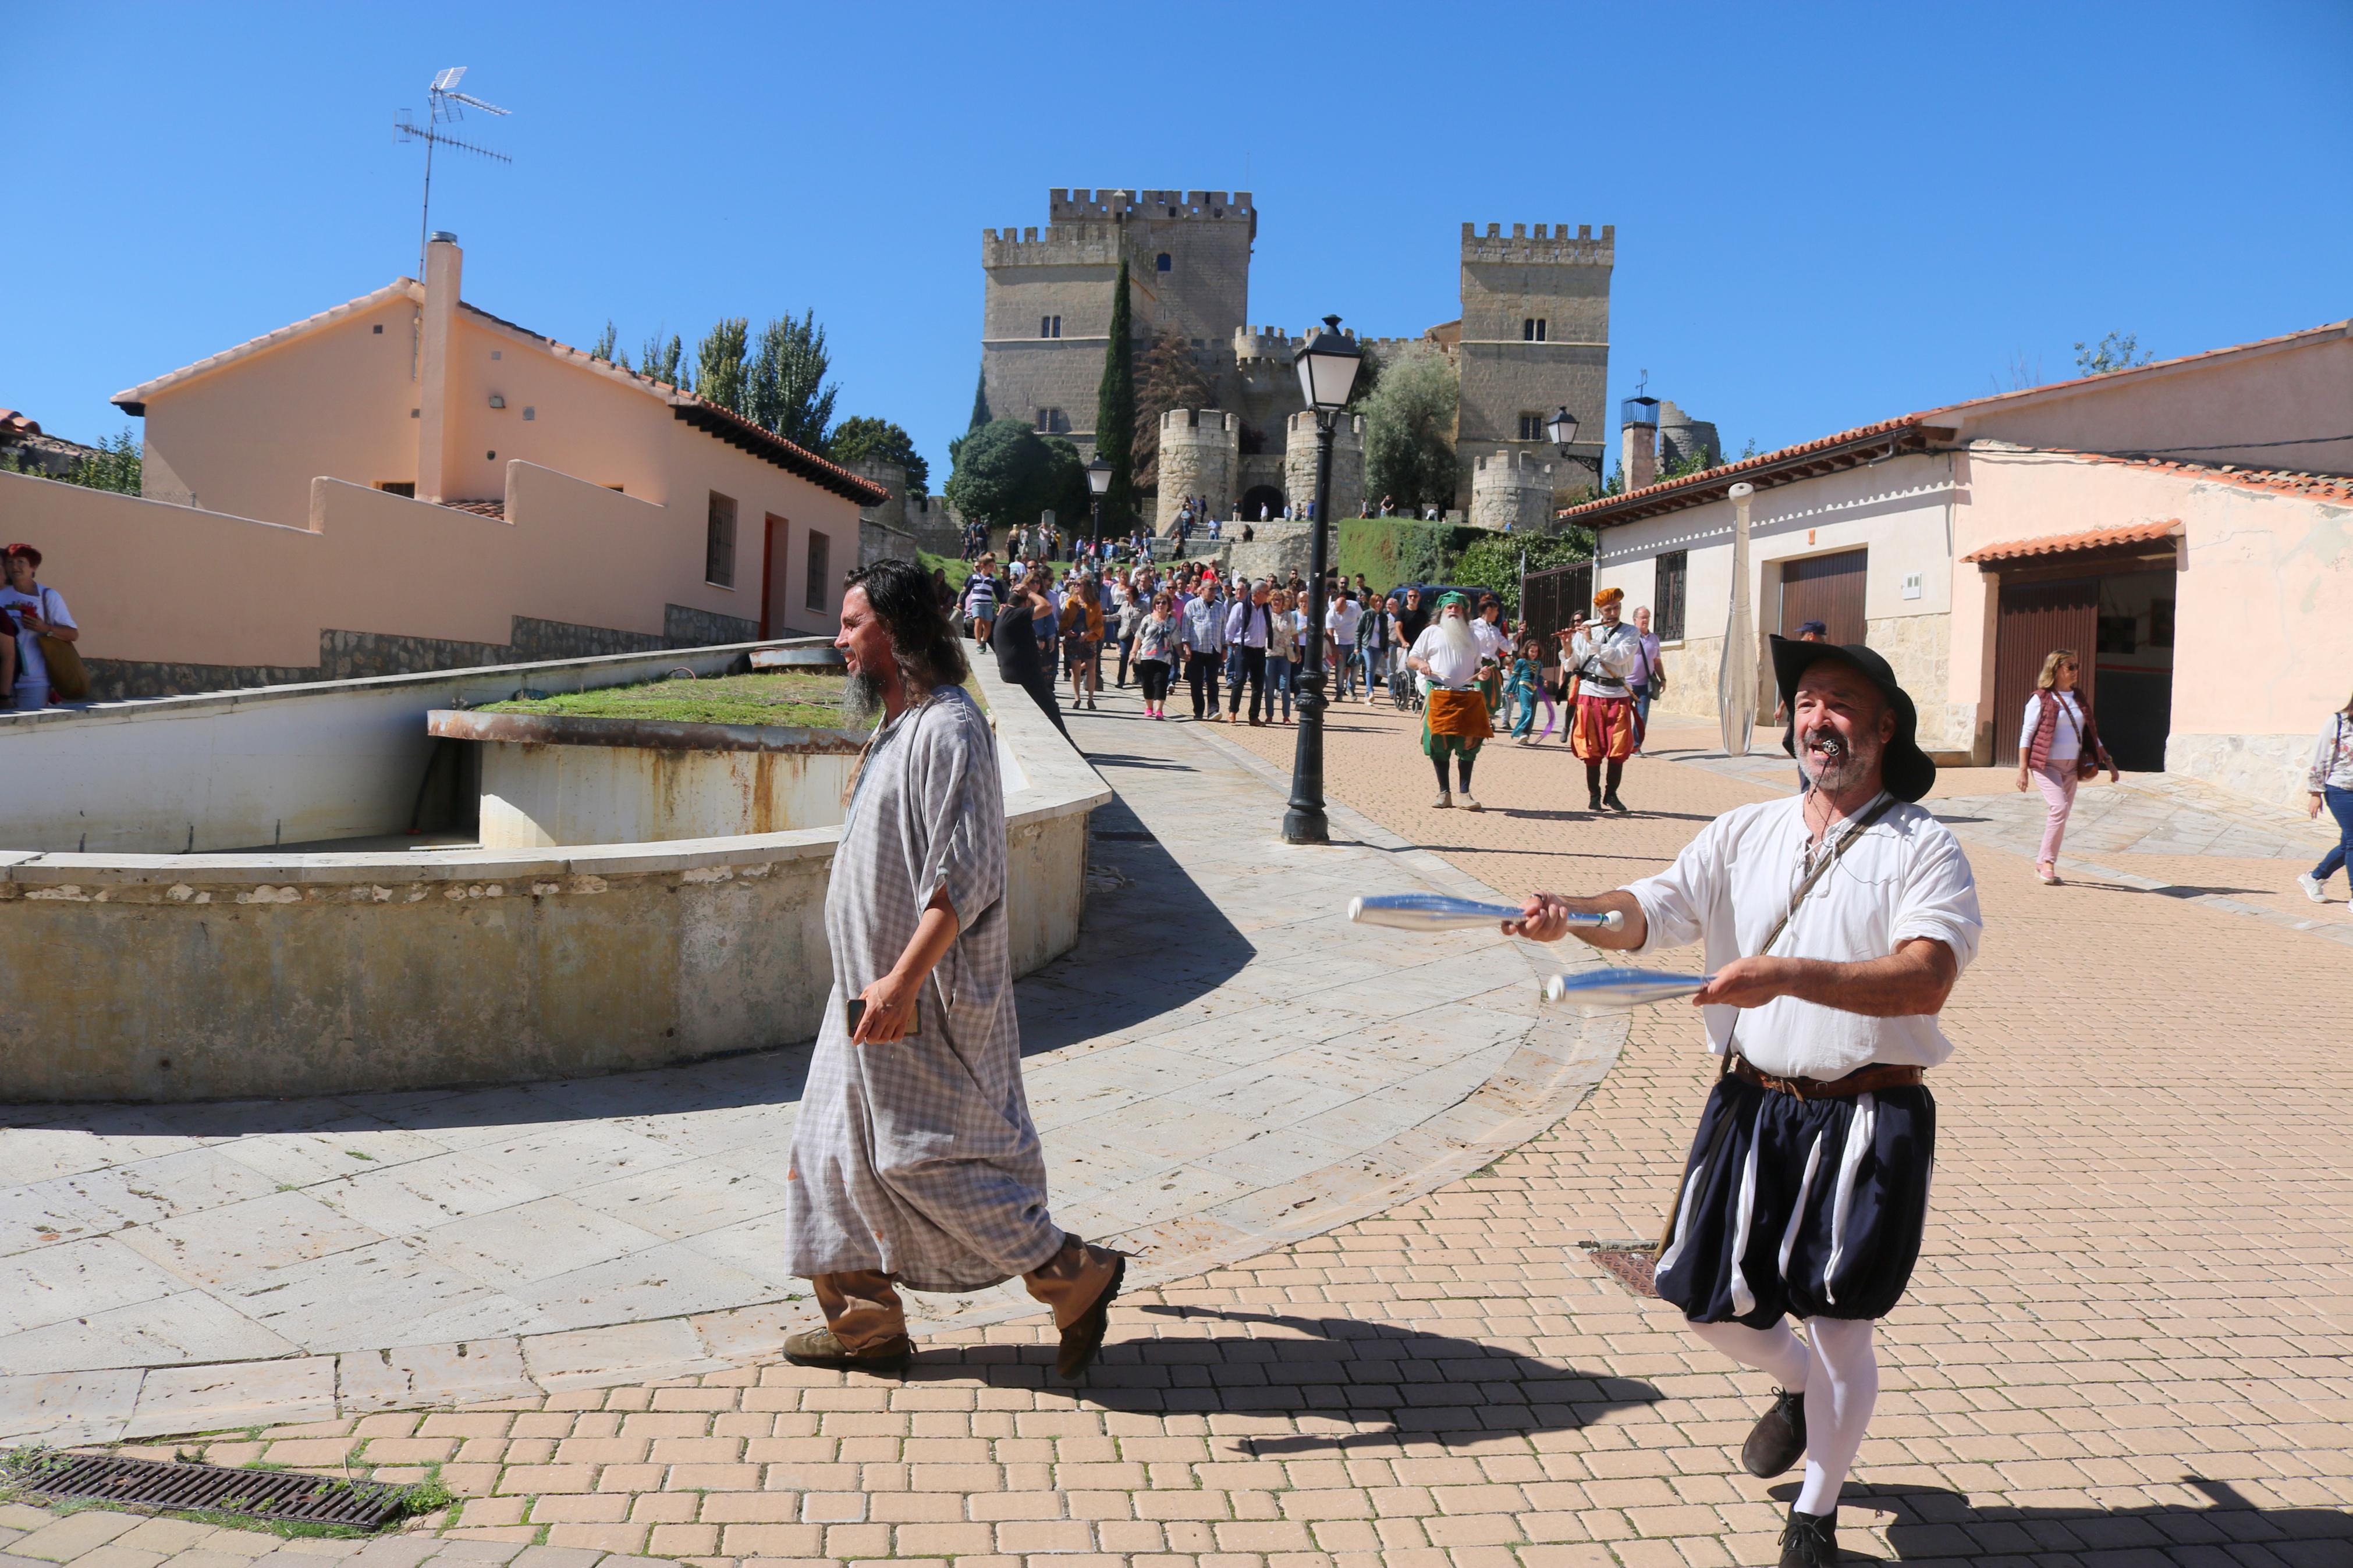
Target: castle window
1162,263
1049,326
719,542
1053,422
1532,330
1530,426
1667,597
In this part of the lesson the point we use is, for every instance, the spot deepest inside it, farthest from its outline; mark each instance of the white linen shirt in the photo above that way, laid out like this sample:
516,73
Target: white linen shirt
1904,877
1493,640
1452,669
1340,618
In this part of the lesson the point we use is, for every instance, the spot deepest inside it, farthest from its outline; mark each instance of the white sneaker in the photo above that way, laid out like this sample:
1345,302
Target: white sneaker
1443,801
1471,804
2311,888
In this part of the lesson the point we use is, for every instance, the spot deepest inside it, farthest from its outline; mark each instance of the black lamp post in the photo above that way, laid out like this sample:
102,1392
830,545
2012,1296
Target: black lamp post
1098,481
1328,366
1562,429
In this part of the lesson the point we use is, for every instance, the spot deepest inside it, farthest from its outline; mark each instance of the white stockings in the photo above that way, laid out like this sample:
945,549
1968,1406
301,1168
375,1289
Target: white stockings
1834,1367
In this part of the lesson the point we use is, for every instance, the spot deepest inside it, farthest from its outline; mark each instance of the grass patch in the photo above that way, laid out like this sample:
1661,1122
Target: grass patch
790,698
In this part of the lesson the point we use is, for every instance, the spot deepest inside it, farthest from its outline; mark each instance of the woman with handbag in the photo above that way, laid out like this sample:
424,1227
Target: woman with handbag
2330,784
48,668
2059,744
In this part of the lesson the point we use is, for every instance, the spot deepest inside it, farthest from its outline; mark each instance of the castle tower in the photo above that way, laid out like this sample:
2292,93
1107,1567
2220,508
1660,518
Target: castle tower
1683,438
1510,489
1200,450
1535,335
1046,310
1348,464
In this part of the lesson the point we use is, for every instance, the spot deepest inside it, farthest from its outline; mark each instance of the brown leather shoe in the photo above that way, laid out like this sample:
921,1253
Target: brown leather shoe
819,1347
1810,1541
1084,1337
1778,1439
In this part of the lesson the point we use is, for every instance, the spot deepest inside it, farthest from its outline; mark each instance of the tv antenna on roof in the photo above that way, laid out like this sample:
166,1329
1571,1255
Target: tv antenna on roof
446,106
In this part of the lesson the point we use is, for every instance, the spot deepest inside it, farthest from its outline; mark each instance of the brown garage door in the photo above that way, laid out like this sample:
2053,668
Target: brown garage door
1825,589
2034,618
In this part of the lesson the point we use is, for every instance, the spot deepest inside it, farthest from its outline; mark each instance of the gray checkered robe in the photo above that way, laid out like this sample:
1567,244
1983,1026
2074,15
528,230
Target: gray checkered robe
918,1157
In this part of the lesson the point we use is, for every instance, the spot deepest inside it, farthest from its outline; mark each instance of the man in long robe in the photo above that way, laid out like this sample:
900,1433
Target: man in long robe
1455,722
1607,726
914,1160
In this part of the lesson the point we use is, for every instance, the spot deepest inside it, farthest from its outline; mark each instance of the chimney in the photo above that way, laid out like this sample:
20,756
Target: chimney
1638,419
437,413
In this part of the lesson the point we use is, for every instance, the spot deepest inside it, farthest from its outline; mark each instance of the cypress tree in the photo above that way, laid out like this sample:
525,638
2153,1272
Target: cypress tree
980,414
1116,412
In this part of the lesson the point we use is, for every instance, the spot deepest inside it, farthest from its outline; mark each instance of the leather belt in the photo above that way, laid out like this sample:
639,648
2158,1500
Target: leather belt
1863,1080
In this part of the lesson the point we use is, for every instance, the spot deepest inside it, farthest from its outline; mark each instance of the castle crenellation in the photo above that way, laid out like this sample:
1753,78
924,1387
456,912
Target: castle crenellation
1532,334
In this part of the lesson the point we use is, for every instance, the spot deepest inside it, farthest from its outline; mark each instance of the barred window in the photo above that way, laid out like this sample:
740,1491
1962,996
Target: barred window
1667,597
719,542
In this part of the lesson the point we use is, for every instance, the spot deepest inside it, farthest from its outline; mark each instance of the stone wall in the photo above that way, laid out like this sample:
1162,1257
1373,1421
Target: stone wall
1275,550
1200,449
354,655
1560,278
1919,648
2269,768
1299,461
1512,490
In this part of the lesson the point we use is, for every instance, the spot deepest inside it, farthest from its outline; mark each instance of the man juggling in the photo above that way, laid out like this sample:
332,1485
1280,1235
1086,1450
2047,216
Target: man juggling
1836,924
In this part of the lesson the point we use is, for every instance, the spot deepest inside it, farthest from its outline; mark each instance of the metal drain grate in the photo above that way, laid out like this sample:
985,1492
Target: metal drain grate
1627,1262
279,1495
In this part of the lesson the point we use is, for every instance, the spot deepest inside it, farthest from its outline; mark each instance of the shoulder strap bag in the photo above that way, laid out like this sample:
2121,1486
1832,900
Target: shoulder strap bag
68,678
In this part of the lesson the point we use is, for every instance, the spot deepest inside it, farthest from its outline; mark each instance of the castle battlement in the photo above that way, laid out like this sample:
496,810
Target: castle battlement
1208,206
1061,244
1525,466
1559,247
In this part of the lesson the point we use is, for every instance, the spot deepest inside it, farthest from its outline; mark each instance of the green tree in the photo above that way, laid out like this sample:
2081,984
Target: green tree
789,390
1410,430
111,465
1115,411
980,414
859,437
1172,379
607,341
2117,351
720,373
1007,473
1368,376
660,360
1492,560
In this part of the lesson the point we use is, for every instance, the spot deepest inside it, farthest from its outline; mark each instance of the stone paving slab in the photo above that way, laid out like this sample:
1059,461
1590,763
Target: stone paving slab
35,1537
1221,1066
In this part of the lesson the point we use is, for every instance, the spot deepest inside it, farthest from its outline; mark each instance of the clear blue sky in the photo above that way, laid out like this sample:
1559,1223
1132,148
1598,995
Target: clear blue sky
1826,214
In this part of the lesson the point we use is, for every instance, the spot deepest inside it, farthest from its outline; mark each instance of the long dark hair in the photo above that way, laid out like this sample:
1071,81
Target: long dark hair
921,640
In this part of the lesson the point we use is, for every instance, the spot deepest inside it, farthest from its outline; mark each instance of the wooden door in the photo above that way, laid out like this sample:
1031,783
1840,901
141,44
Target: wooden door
772,577
2032,619
1825,589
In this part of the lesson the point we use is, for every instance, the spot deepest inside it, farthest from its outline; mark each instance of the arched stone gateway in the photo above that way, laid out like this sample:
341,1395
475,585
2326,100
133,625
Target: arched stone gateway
1261,494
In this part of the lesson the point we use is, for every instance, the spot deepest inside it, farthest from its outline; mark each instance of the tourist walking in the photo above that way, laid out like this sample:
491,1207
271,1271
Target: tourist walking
1340,618
1021,658
1203,633
1650,682
1131,617
38,613
2059,745
1156,646
1249,633
1835,924
1282,650
914,1159
980,601
1082,639
1604,727
2331,784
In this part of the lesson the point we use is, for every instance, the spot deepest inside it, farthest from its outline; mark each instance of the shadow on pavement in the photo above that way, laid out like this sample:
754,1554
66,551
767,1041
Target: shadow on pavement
1392,1384
1933,1523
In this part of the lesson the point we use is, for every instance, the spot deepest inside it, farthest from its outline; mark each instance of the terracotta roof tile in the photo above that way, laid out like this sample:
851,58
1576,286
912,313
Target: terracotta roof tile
497,508
1717,475
2089,538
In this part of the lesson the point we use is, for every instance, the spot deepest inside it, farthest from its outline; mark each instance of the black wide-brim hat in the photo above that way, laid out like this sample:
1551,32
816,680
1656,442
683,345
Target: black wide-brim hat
1905,771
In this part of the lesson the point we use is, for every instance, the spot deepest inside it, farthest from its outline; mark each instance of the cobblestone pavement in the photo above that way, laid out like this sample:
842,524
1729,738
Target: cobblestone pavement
2125,1345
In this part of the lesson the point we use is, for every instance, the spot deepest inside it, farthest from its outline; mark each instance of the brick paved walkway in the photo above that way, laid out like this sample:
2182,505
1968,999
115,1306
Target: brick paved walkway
2126,1346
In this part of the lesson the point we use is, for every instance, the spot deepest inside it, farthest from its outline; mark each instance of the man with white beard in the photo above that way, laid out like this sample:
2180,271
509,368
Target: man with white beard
1454,720
1836,924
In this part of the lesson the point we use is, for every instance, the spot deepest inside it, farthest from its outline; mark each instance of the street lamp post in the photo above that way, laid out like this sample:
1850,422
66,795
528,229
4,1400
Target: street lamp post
1098,481
1328,366
1562,429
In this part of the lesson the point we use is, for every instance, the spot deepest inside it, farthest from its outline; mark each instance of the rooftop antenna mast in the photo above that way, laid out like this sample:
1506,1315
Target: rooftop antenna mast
446,106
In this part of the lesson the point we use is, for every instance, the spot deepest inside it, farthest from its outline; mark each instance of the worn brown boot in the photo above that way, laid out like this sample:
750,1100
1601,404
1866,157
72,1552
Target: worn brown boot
1778,1439
1084,1338
821,1347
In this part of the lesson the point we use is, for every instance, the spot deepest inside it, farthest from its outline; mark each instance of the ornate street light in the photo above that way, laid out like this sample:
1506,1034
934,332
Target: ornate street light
1098,481
1327,366
1562,429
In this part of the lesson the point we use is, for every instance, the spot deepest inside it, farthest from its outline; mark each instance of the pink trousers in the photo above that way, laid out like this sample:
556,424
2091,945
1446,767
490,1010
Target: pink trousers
2058,783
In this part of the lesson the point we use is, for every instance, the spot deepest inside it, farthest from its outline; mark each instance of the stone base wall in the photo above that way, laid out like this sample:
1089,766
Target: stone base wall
1920,650
1691,679
354,655
2269,768
1275,550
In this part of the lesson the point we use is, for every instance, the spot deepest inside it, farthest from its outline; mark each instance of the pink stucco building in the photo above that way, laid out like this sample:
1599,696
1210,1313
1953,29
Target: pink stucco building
406,481
2187,526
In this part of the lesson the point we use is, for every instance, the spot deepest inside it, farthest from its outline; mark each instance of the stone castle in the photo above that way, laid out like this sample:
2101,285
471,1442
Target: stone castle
1534,334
